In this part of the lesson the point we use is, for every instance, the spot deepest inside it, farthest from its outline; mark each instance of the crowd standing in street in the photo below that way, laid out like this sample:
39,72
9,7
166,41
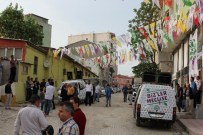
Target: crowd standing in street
78,116
30,119
9,95
69,126
108,95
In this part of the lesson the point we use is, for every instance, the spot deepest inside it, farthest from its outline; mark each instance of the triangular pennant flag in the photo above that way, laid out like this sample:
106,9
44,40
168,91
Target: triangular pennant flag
187,3
168,3
87,50
157,3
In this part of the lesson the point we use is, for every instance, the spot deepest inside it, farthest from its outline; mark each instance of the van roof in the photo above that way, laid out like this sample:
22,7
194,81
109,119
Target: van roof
72,81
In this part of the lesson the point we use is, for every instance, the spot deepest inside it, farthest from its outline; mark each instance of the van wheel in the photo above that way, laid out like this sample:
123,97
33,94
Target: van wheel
138,123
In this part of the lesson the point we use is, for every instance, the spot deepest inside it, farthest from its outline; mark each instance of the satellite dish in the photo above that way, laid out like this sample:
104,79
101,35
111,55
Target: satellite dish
46,63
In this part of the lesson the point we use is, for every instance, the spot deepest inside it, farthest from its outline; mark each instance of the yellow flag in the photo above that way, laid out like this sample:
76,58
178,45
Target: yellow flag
130,56
87,50
56,52
152,26
184,23
146,1
151,43
117,42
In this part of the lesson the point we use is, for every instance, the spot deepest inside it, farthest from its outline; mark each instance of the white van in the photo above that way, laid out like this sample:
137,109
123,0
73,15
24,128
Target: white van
81,89
155,103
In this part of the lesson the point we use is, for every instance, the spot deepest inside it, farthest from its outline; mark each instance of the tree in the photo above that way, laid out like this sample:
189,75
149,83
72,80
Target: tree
13,25
145,15
145,67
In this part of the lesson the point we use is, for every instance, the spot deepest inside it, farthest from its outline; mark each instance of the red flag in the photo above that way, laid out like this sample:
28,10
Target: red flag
166,22
196,16
168,3
143,31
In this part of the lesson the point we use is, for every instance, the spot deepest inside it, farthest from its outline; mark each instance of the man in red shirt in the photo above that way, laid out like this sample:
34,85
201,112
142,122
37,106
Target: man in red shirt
78,116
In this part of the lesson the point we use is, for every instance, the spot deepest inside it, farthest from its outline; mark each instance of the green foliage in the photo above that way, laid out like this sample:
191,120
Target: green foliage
145,15
13,25
145,67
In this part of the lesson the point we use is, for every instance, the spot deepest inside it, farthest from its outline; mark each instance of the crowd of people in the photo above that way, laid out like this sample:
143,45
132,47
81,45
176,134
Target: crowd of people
188,95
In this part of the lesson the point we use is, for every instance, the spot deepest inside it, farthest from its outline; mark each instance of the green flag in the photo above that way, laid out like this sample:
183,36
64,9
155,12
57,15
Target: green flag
187,3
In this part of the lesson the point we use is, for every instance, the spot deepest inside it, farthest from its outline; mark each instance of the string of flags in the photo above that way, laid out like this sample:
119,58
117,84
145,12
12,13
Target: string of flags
157,35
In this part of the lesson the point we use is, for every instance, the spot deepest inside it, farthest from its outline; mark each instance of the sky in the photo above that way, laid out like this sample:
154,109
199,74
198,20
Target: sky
71,17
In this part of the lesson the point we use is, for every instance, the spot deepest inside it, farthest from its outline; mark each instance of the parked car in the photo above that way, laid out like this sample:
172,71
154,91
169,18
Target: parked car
114,90
156,103
81,90
118,89
102,92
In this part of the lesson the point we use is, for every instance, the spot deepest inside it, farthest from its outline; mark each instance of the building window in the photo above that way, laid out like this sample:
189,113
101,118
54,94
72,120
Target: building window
35,65
69,75
7,52
25,69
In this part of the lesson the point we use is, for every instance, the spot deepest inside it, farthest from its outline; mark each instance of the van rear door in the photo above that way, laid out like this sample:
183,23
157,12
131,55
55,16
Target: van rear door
157,102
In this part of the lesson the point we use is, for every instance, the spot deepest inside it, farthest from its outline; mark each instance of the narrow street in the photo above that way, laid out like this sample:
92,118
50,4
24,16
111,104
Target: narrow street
115,120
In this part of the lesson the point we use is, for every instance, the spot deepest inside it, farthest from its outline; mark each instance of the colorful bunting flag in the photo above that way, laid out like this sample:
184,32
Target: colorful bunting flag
187,3
168,3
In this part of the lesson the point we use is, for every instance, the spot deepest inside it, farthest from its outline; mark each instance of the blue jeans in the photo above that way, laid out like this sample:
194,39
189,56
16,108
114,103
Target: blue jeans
42,104
108,101
96,97
47,106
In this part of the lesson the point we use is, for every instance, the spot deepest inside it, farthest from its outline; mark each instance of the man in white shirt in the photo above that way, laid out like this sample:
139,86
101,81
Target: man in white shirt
30,119
89,92
97,92
48,97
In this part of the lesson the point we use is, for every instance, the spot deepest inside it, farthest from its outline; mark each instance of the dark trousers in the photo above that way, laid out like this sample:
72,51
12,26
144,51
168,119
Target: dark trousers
35,91
28,94
125,97
179,104
12,74
198,97
88,98
47,106
53,103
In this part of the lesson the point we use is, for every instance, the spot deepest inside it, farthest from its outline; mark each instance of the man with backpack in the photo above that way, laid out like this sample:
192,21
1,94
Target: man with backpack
108,95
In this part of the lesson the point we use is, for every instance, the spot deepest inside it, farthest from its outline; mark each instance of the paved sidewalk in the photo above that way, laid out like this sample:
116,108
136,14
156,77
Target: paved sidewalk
193,126
192,123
